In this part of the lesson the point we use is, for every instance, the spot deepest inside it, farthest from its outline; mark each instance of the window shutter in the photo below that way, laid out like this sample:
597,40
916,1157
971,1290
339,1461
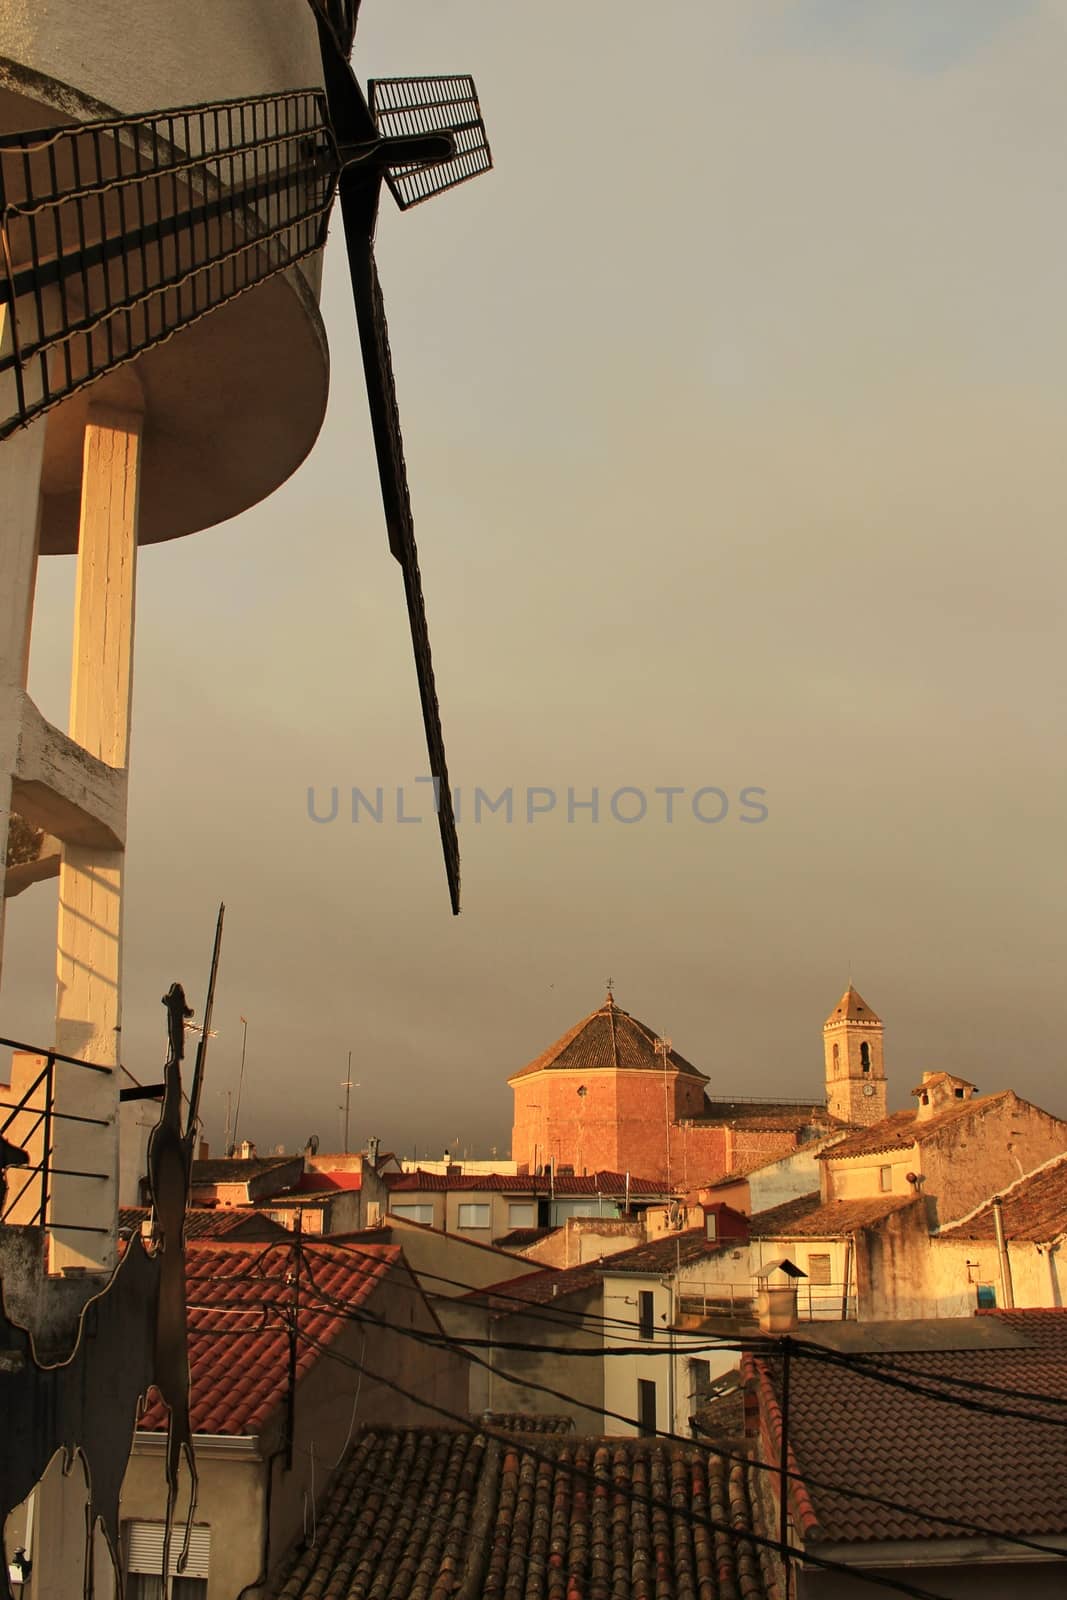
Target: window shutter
144,1548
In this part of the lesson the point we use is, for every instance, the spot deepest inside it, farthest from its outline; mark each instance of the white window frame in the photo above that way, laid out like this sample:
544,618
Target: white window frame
413,1212
484,1211
528,1208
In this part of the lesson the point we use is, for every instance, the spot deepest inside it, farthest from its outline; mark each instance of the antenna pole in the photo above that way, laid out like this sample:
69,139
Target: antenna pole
205,1032
348,1098
240,1080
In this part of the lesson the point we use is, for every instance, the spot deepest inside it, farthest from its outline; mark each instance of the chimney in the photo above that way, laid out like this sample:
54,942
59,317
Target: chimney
246,1150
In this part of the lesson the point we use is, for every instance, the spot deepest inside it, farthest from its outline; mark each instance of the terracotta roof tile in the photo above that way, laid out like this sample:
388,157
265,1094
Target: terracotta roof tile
521,1238
524,1422
851,1008
212,1222
608,1038
1004,1473
904,1128
235,1169
809,1218
238,1343
765,1116
420,1514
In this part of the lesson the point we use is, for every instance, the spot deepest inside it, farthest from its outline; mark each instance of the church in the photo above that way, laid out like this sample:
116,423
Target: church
612,1095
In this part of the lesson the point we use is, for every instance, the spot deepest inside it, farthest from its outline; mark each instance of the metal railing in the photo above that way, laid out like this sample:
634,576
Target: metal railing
37,1104
738,1301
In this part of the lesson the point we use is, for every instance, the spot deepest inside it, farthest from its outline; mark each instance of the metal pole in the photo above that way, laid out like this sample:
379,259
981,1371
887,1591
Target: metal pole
46,1146
240,1082
1007,1288
348,1098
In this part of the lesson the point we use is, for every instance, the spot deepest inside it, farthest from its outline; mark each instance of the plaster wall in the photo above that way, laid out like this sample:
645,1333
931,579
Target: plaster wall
580,1378
797,1173
668,1368
452,1265
586,1239
859,1177
970,1160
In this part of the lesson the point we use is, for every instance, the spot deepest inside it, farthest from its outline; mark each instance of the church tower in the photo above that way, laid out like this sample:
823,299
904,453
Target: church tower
855,1068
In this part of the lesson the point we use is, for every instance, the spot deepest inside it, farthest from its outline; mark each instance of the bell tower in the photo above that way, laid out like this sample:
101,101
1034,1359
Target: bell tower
855,1066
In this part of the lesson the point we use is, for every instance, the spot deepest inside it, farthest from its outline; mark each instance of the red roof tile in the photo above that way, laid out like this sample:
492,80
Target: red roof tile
1006,1474
611,1039
212,1222
329,1182
436,1513
809,1218
904,1128
238,1342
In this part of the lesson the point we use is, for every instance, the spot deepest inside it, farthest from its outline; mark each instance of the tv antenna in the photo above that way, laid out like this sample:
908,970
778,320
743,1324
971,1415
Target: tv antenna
117,234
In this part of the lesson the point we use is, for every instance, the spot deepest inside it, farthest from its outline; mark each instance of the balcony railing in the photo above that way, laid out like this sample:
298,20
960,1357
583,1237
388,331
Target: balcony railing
29,1129
737,1302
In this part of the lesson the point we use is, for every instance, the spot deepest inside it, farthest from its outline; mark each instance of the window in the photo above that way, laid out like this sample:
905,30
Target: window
837,1056
699,1380
144,1562
712,1225
987,1297
885,1179
646,1325
865,1056
522,1214
422,1214
646,1407
474,1215
819,1269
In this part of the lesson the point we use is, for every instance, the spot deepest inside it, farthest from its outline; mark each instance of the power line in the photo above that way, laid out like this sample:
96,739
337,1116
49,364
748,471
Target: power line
633,1496
365,1316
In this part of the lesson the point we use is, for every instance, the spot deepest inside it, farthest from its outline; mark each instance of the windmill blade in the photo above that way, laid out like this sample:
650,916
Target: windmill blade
116,234
358,207
402,107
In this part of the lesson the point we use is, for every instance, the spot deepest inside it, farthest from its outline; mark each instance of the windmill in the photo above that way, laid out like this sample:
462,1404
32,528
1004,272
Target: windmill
118,234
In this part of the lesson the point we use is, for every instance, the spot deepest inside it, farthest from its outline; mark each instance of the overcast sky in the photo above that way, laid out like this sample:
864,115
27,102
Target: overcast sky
734,407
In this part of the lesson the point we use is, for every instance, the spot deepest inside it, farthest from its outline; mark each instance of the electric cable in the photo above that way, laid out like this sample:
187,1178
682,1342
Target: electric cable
459,1348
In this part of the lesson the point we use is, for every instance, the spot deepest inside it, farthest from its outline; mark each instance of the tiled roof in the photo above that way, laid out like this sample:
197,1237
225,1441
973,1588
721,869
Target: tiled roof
540,1288
551,1283
212,1222
524,1422
608,1038
851,1008
765,1116
904,1128
1004,1473
1034,1208
662,1255
413,1515
611,1185
238,1349
521,1238
232,1169
809,1218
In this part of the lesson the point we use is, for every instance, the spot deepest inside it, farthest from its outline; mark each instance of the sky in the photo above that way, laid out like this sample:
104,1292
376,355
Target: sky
734,407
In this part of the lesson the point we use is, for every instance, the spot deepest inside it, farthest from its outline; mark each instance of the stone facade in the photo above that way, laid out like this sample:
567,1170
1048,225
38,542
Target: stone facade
855,1064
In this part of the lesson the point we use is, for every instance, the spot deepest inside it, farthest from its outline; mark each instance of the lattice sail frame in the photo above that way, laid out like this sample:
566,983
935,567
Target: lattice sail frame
116,234
431,105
